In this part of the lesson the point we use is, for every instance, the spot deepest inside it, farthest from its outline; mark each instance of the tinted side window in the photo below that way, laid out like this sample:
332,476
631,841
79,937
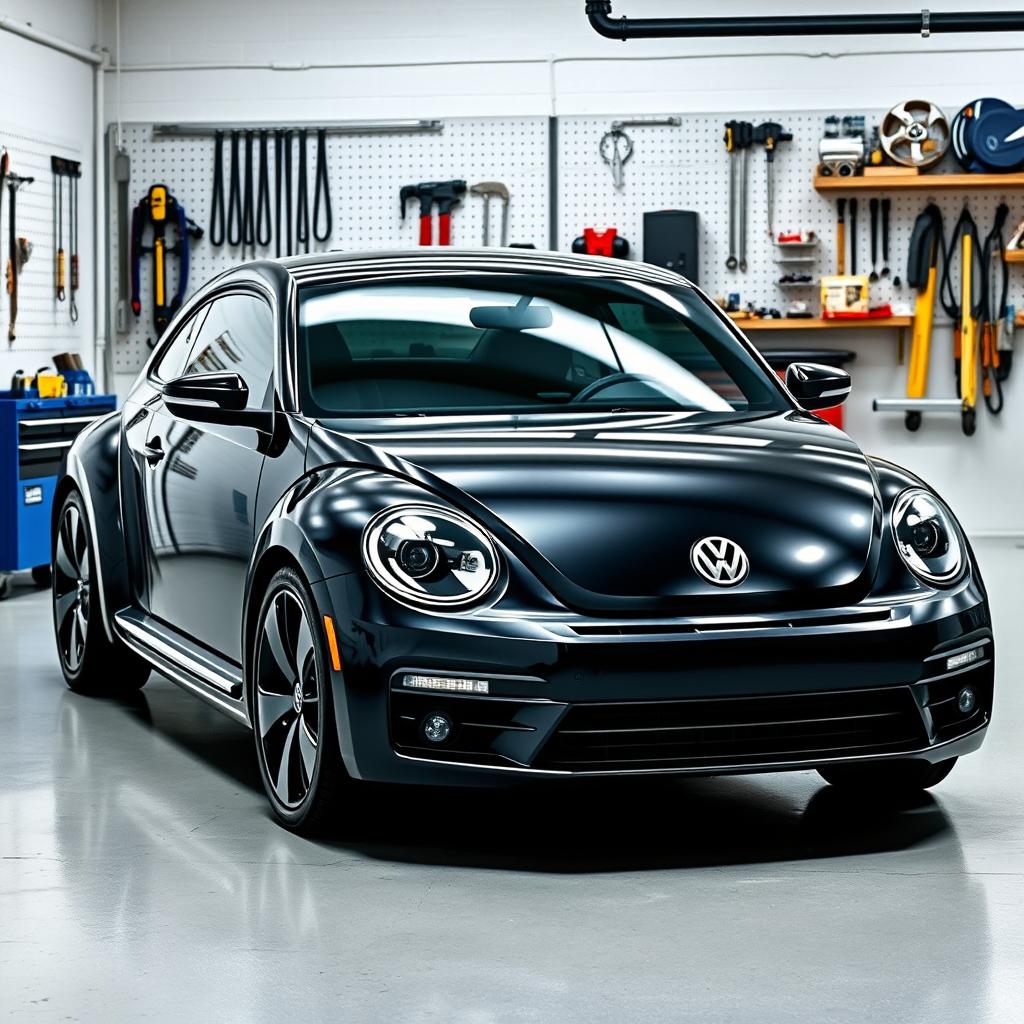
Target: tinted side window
175,357
237,336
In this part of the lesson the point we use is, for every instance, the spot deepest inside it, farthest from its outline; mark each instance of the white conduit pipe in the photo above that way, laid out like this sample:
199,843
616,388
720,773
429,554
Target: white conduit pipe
98,63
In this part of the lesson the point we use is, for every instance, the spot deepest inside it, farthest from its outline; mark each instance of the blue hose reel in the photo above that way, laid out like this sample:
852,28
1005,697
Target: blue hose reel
988,137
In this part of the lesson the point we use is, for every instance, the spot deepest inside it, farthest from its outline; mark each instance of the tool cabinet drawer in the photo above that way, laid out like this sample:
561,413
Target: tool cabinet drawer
35,435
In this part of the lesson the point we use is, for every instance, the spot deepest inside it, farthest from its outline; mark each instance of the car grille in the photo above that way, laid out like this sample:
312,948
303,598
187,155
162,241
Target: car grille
734,731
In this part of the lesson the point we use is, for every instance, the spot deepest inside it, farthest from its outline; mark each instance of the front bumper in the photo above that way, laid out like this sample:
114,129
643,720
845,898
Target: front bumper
584,698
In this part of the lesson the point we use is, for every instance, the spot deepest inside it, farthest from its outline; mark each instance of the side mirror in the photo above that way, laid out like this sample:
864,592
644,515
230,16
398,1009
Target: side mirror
214,398
817,387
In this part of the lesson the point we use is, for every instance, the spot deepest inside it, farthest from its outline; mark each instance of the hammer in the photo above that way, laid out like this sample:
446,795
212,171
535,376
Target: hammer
446,194
487,190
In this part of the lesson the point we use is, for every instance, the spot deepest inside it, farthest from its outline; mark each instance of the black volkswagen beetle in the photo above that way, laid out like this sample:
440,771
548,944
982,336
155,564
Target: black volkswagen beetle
463,517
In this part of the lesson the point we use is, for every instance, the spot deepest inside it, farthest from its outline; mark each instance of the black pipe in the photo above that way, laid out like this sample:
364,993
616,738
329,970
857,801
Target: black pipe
920,22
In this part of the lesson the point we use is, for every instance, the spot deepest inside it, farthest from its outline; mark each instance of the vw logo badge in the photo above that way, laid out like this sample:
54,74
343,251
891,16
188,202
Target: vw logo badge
720,561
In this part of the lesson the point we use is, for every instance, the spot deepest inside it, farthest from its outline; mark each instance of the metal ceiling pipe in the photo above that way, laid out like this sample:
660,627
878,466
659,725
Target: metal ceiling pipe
922,22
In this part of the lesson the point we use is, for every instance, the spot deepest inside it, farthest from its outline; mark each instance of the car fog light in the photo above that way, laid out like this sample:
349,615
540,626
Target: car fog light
963,658
967,701
436,728
446,684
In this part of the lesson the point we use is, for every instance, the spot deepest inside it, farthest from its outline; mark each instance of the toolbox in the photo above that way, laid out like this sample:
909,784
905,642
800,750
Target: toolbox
35,435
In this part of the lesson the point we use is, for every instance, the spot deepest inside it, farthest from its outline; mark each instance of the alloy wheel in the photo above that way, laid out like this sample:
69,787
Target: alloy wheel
287,698
71,588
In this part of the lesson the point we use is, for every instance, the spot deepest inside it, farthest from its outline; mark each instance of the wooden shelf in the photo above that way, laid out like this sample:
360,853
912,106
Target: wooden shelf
1014,255
920,183
814,324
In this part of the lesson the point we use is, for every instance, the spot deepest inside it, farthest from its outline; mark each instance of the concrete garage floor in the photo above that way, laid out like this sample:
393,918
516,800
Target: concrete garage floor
142,879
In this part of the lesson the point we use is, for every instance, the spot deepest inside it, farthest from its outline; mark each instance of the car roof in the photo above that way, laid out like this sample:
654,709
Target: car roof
334,264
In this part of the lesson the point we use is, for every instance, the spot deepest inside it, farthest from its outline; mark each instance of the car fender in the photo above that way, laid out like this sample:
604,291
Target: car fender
93,470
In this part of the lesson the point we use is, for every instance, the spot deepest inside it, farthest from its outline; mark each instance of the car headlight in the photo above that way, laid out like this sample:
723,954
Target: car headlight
430,556
926,536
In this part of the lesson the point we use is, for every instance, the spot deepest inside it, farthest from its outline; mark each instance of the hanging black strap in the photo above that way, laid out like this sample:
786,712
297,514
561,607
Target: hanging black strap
217,199
302,201
950,299
263,195
926,246
278,185
286,156
322,192
248,200
235,194
995,244
994,312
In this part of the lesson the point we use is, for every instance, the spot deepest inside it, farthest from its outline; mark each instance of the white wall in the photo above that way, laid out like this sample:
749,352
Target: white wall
48,97
508,44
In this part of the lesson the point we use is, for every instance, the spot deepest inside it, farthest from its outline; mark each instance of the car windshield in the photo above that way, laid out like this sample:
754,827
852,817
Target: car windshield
521,344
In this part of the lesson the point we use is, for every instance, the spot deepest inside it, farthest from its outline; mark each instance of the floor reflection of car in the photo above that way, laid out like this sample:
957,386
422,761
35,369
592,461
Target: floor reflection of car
478,517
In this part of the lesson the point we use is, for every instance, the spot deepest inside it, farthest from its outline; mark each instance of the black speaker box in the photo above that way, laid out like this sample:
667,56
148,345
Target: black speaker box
671,241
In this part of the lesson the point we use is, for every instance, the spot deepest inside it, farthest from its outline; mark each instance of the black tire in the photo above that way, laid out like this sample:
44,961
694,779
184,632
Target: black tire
42,575
91,663
292,709
892,777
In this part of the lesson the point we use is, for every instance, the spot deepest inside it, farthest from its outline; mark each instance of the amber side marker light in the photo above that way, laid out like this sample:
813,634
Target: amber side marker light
332,643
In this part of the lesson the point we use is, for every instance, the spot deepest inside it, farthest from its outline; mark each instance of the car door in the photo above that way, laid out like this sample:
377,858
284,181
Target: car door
136,418
202,479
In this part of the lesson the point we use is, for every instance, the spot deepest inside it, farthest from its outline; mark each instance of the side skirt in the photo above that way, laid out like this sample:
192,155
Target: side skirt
192,667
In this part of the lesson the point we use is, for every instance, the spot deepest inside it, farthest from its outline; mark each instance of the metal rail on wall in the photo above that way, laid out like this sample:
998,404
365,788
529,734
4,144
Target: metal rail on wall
924,22
394,127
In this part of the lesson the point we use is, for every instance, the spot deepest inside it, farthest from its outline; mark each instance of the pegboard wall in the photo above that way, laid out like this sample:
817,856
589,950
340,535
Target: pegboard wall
687,168
683,167
366,173
44,326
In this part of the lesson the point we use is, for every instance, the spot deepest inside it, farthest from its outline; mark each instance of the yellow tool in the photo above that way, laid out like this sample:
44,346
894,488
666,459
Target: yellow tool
968,328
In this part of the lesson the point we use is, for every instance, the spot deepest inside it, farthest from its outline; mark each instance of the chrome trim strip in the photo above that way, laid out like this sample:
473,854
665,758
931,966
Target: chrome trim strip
956,672
40,445
767,766
59,421
953,651
176,654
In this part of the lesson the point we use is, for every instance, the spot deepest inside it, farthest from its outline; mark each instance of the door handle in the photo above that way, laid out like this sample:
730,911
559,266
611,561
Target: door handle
153,451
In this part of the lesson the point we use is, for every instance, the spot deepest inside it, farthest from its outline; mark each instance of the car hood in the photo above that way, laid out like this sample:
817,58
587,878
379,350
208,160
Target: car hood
614,504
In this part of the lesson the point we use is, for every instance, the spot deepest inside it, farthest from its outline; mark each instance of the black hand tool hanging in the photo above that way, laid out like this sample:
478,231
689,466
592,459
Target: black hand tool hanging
853,236
302,199
841,236
993,312
217,199
278,187
263,195
286,156
76,173
886,210
322,192
68,171
157,210
18,250
248,201
58,229
873,207
235,193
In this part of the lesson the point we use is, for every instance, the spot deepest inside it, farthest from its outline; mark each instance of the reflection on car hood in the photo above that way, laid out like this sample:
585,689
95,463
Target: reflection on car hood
616,502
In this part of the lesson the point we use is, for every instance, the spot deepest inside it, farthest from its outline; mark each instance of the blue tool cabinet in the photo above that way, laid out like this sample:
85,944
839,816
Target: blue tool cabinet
35,435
